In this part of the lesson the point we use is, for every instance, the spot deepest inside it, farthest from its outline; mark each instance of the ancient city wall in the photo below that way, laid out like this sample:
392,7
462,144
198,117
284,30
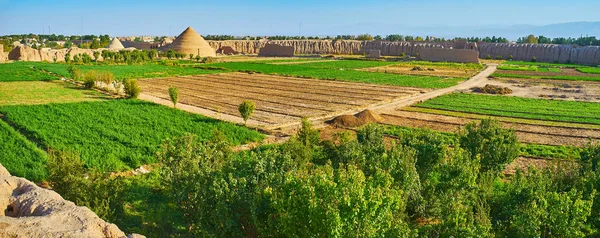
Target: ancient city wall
276,50
449,55
345,47
542,52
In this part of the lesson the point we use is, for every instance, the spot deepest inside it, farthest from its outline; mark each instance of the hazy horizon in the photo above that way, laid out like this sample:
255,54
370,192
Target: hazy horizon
266,17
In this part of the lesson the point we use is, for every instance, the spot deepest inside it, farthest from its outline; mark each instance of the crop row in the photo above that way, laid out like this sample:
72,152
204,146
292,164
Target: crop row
542,64
557,77
22,71
116,135
300,70
19,156
540,109
147,70
528,68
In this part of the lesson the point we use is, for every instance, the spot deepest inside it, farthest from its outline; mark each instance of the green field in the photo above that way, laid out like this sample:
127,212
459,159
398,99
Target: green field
148,70
539,109
557,77
589,70
302,70
528,68
541,64
528,150
19,156
31,92
116,135
23,71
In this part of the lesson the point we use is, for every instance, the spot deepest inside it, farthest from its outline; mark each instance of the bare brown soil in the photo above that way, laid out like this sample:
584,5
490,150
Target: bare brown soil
548,135
278,99
585,91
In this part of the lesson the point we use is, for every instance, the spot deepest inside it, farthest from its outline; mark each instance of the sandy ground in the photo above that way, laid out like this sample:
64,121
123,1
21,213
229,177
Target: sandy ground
585,91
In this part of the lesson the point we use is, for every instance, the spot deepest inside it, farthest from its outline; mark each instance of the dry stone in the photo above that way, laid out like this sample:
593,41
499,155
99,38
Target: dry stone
32,211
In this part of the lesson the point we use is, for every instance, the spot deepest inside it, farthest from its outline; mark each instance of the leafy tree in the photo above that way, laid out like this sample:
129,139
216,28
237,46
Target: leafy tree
364,37
174,95
489,142
246,110
131,88
531,39
96,55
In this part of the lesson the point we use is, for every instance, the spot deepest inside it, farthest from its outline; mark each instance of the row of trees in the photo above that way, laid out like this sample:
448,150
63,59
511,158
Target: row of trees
422,184
583,41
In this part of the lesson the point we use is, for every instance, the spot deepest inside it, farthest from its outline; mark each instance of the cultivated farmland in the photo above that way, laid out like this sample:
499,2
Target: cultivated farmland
344,70
115,135
278,99
535,120
23,71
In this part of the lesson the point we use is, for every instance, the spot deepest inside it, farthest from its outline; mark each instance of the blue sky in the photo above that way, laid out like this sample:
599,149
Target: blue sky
267,17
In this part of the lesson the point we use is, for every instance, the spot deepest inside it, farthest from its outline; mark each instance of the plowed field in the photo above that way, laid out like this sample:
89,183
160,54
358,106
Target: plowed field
278,99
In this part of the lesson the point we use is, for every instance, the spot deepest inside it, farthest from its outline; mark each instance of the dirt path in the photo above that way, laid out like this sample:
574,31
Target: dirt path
475,81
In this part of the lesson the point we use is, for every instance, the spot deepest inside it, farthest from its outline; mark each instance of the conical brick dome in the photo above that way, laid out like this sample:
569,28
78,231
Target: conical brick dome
115,44
190,42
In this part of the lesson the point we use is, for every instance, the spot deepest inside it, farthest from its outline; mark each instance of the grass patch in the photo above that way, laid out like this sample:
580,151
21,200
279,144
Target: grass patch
528,150
528,68
28,92
557,77
541,64
19,156
499,118
589,70
529,108
116,135
23,71
147,70
348,64
345,75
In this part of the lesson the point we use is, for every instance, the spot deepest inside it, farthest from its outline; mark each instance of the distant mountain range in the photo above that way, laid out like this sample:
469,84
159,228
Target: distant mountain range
513,32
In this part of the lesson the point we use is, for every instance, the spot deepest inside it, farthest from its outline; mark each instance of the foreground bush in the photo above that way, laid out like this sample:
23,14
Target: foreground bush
131,88
367,187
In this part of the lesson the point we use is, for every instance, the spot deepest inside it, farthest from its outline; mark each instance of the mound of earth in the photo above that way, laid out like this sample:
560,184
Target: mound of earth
492,89
368,116
361,118
32,211
419,68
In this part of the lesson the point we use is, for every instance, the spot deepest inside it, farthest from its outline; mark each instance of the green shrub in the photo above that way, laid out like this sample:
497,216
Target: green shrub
246,110
533,59
174,95
131,88
90,78
499,57
488,57
510,57
488,142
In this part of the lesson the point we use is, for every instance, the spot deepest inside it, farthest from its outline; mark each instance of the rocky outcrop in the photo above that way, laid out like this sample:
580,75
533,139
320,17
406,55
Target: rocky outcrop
3,56
31,211
542,52
26,53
